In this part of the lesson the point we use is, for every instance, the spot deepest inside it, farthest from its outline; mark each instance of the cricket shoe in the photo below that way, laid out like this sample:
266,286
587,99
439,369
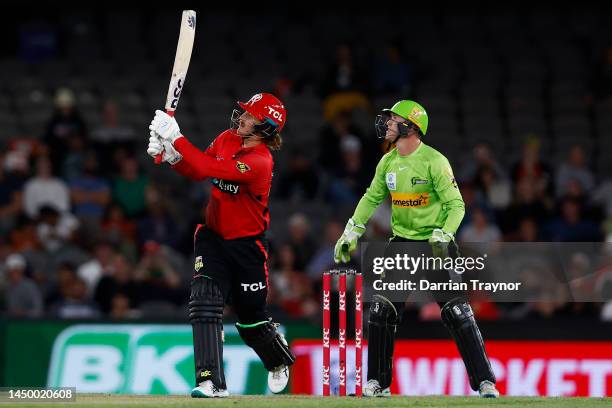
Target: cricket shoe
278,379
206,389
487,390
373,389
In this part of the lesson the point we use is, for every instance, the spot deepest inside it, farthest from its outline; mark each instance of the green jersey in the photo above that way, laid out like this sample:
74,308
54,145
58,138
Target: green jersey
424,193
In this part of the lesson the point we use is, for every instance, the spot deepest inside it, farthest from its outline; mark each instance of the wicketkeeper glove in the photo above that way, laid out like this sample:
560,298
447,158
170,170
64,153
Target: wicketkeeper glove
348,241
165,126
439,242
157,147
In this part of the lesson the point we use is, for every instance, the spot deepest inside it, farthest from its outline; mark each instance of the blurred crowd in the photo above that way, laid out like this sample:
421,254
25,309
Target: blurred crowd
88,230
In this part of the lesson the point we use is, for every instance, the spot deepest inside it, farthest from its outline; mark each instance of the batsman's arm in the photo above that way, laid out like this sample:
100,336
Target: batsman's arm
184,168
204,165
374,195
446,187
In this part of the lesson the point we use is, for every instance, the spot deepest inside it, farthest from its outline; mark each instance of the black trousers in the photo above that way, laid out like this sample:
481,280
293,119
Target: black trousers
442,275
239,267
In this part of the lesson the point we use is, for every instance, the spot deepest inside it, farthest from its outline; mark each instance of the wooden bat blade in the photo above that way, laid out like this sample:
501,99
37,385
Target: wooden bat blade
182,58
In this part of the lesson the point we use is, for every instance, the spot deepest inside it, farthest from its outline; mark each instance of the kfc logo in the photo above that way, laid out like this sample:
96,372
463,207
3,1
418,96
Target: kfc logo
326,375
342,301
325,338
326,297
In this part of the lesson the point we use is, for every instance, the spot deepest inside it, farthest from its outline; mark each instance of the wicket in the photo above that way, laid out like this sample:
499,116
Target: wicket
342,273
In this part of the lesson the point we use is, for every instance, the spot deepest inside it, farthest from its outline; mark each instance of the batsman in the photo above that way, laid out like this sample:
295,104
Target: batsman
231,250
427,208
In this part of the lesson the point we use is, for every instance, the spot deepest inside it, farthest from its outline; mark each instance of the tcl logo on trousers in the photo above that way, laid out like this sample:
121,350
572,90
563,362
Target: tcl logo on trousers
253,287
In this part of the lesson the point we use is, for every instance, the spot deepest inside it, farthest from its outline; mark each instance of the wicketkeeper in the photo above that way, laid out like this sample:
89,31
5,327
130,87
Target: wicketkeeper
231,250
427,207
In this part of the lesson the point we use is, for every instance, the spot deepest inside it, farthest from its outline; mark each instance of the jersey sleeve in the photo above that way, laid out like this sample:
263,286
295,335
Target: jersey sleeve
247,169
374,195
184,168
446,188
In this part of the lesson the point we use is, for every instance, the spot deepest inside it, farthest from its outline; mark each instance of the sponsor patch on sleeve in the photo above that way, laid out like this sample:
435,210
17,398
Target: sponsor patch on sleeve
242,167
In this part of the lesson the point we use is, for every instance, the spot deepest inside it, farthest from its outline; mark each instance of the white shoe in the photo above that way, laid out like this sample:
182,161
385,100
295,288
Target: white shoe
278,379
487,390
206,389
373,389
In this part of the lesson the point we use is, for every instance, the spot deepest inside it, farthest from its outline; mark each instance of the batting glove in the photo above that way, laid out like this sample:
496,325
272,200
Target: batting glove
165,126
157,147
348,241
439,242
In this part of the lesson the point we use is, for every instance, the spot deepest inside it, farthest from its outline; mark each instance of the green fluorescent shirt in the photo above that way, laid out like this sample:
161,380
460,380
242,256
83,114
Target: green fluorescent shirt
424,194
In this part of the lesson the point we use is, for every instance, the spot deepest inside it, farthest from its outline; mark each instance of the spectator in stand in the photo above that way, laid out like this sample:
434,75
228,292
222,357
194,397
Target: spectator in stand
10,198
323,259
66,275
23,298
304,247
55,229
120,282
101,265
495,191
570,225
157,225
90,193
344,74
480,229
156,277
527,202
300,180
129,188
528,231
121,230
348,183
66,121
293,290
574,170
45,189
74,303
331,137
112,131
531,167
481,157
391,72
74,157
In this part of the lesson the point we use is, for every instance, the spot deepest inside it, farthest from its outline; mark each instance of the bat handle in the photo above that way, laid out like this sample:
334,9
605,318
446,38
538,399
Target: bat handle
158,158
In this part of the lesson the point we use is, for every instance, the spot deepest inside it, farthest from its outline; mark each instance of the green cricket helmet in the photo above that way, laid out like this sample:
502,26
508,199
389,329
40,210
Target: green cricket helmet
409,110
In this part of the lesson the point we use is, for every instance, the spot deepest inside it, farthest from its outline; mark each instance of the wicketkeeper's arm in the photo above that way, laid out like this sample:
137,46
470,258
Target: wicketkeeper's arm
374,195
446,187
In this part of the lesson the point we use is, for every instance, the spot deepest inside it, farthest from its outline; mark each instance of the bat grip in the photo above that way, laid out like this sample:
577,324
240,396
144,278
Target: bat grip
158,158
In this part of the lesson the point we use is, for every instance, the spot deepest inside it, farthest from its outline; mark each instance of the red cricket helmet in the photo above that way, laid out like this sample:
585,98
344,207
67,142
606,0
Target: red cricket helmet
269,110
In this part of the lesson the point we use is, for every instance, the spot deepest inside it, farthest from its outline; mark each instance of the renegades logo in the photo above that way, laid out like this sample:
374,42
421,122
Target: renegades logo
409,200
242,167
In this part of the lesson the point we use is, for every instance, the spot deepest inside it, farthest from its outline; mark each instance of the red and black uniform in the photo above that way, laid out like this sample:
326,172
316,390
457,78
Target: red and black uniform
242,178
231,247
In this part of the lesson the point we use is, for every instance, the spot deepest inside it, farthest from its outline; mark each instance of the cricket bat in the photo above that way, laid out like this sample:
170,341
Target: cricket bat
181,64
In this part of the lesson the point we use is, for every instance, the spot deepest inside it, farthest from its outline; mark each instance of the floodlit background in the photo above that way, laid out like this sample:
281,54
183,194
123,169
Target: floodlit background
520,101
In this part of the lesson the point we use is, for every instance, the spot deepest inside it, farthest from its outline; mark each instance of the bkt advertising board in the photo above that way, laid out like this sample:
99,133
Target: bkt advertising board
434,367
145,359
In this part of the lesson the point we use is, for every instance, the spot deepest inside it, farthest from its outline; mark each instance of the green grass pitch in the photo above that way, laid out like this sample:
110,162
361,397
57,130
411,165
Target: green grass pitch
103,400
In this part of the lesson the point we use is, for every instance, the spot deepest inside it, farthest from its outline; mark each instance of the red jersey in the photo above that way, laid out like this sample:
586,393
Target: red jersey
241,178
